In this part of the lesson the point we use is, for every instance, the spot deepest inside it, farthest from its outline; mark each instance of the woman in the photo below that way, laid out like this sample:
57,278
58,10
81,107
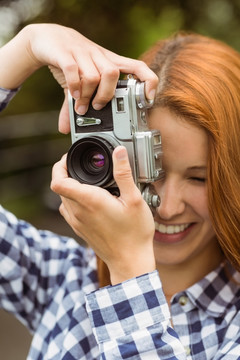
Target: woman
196,241
50,282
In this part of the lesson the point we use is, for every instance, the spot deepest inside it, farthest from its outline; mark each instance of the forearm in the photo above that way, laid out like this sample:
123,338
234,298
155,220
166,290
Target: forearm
16,60
25,269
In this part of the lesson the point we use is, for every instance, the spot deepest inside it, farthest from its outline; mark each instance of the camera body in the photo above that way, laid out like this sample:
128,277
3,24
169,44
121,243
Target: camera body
123,121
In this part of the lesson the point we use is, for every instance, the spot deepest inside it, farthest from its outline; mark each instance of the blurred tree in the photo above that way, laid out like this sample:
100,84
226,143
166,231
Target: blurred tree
127,27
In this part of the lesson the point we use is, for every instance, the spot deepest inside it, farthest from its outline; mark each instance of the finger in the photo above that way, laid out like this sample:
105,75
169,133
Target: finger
123,174
61,182
65,211
104,75
59,169
138,68
81,77
90,78
64,121
109,73
70,188
70,70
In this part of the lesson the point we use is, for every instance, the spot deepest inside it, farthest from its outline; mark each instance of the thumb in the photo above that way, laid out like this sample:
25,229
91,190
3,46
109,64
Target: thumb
122,172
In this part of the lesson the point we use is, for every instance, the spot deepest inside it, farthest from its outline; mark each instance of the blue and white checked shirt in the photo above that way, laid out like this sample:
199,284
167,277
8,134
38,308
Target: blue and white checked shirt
50,284
6,96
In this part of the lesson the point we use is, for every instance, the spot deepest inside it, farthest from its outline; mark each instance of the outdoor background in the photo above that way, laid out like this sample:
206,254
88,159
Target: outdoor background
29,141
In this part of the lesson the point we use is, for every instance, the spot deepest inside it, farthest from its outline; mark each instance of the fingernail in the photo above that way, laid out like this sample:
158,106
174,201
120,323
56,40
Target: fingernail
76,94
82,109
121,153
97,106
151,95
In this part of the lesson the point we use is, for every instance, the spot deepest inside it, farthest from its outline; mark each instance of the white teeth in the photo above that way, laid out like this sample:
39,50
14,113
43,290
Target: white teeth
170,229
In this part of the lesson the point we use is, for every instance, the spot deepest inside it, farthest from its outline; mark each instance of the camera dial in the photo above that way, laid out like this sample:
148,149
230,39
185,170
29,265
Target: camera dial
141,100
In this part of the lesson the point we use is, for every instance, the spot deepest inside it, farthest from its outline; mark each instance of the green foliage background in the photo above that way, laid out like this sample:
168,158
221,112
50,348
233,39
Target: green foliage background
127,27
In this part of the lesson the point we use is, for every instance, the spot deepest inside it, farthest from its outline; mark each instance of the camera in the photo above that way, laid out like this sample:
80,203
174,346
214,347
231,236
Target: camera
123,121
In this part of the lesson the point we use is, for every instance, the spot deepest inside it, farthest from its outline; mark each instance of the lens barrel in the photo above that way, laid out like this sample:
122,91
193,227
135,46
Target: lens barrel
89,161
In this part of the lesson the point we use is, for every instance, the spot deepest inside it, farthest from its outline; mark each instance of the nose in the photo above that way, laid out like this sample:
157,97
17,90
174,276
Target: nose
172,199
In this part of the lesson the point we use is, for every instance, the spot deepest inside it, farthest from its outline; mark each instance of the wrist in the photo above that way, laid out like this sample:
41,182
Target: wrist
131,267
29,35
16,60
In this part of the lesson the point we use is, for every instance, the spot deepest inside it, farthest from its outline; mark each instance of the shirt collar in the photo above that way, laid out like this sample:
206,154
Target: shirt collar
217,291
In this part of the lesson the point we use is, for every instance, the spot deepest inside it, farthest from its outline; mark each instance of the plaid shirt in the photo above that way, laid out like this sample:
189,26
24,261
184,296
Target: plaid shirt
49,283
6,96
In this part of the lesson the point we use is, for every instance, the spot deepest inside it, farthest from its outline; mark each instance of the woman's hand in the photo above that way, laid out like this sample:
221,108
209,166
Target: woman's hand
77,63
120,230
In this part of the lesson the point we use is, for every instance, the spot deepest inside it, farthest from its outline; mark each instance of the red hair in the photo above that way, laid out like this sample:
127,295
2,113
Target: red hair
199,80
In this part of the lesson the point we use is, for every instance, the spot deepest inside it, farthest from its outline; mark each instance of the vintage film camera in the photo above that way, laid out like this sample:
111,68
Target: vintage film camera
123,121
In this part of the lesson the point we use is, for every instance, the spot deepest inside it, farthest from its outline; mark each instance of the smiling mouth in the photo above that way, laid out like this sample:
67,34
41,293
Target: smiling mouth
171,229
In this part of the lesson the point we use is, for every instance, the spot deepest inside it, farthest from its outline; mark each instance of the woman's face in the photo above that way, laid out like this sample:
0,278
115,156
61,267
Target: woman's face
184,233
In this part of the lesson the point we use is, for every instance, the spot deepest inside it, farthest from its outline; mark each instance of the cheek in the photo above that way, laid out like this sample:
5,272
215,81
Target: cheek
199,202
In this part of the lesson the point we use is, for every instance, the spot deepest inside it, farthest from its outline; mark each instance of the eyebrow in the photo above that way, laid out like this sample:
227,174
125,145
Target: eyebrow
198,170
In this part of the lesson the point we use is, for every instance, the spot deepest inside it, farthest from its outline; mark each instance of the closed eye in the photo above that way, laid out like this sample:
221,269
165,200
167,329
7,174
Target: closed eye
198,179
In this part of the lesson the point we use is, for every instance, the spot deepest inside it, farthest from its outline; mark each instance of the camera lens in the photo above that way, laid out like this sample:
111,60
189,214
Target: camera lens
97,160
93,160
89,161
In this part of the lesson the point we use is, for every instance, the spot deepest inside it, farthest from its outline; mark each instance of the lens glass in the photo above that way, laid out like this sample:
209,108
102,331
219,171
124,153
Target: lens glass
90,161
94,160
97,160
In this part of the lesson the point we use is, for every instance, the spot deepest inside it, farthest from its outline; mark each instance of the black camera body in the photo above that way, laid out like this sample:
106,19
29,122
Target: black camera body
123,121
